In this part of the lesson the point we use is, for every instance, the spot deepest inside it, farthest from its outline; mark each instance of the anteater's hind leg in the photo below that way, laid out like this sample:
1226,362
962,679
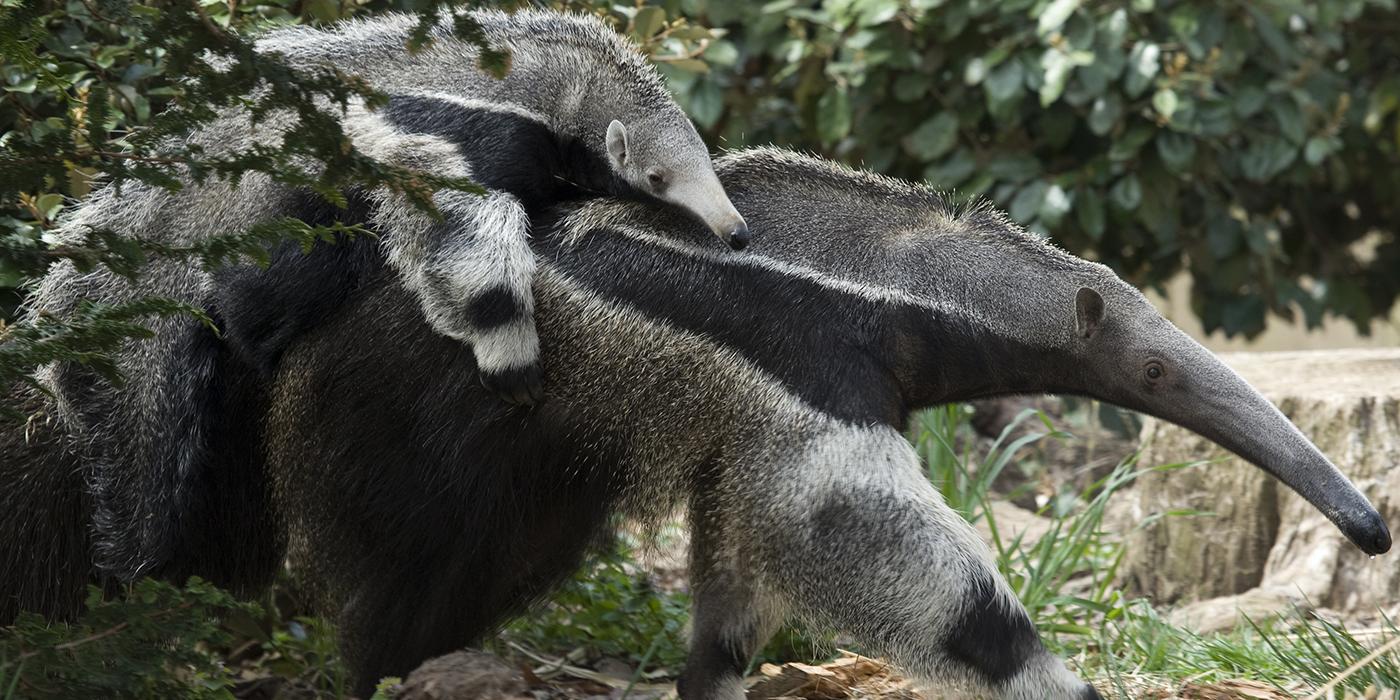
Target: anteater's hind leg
425,604
45,515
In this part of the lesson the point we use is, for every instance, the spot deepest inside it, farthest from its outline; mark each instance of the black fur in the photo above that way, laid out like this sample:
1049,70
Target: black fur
511,153
990,637
447,511
494,308
45,548
264,309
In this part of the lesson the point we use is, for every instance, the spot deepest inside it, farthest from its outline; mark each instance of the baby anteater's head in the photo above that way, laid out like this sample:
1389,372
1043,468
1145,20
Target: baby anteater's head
664,157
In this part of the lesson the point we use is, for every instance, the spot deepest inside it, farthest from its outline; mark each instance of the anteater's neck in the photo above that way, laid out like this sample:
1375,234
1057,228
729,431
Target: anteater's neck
859,352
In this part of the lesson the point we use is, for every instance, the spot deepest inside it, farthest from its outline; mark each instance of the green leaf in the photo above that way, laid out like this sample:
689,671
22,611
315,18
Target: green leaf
1143,64
975,71
1088,210
1013,167
1177,150
49,205
1054,206
1223,234
1266,157
952,171
1319,147
1057,66
648,22
25,86
322,10
1053,16
1165,102
934,137
1027,202
690,65
834,115
1103,116
911,86
706,103
1127,192
1249,100
1127,146
877,12
1004,83
1290,120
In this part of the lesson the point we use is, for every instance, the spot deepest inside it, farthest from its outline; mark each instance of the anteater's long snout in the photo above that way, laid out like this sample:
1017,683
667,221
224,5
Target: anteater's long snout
1219,404
705,198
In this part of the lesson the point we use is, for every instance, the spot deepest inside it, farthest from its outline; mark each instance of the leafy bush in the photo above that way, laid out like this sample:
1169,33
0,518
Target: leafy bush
610,609
1255,145
159,641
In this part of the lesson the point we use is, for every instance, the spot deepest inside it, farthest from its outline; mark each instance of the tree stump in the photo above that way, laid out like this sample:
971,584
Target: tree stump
1263,549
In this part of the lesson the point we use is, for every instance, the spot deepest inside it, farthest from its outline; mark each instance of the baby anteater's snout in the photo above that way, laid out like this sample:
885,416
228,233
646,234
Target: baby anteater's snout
739,237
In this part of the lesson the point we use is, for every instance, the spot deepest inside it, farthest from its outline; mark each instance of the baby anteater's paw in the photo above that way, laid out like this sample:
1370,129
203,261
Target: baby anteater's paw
518,385
506,346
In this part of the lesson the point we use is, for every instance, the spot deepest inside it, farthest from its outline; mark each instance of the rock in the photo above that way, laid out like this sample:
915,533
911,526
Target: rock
1012,522
464,675
1264,547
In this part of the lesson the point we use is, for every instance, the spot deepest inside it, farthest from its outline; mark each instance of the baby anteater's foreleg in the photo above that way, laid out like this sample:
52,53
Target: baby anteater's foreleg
471,267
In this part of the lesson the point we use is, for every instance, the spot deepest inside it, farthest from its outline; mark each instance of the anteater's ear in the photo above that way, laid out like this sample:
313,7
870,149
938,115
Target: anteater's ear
1088,312
617,143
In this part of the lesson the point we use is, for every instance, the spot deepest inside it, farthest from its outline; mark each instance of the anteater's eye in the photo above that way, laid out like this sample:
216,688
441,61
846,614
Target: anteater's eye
1155,371
656,177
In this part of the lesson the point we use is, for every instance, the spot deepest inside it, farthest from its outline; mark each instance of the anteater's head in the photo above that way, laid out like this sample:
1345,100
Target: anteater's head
1129,355
1057,323
664,157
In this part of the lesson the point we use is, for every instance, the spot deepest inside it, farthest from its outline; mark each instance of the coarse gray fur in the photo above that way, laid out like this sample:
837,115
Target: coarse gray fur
779,425
783,440
570,73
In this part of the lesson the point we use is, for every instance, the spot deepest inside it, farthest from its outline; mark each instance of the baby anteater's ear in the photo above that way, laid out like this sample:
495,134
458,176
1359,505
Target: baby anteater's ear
617,143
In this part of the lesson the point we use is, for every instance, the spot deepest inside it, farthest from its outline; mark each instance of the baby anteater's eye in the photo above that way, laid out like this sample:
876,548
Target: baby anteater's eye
657,177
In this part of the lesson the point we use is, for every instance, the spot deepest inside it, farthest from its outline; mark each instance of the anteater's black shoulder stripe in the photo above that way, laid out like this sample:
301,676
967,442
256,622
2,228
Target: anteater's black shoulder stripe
823,344
509,151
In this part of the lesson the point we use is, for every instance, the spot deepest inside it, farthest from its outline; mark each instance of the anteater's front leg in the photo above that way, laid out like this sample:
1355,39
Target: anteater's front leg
850,533
733,616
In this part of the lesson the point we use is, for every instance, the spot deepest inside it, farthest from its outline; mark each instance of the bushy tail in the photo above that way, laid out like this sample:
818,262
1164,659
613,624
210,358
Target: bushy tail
45,561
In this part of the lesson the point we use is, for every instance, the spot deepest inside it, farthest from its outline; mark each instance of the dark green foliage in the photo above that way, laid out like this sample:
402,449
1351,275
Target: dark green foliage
159,642
1255,145
163,641
612,609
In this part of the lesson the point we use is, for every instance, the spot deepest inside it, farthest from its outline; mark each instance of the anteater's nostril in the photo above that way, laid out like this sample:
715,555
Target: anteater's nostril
739,238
